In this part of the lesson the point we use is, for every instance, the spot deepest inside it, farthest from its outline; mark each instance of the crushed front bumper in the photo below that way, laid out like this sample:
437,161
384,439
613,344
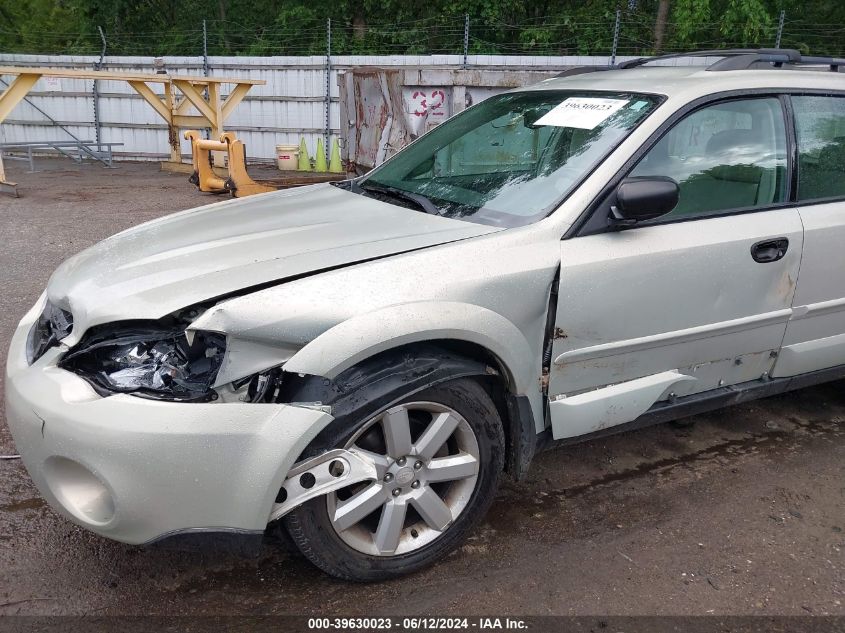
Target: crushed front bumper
138,470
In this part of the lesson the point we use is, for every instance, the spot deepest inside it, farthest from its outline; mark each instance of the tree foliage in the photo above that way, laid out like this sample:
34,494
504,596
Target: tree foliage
298,27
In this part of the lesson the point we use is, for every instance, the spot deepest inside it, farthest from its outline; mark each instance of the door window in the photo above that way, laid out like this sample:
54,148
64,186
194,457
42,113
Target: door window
731,155
820,131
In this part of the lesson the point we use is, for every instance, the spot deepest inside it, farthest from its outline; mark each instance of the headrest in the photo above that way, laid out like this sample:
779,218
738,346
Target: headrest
833,154
729,139
737,173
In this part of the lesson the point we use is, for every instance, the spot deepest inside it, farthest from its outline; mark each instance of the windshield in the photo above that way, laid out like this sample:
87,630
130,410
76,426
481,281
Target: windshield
509,160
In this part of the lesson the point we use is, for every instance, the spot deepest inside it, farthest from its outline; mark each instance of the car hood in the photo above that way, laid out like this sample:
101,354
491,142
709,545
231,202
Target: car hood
159,267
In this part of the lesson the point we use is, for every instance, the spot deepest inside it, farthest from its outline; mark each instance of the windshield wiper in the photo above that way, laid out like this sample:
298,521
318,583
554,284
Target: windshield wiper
416,198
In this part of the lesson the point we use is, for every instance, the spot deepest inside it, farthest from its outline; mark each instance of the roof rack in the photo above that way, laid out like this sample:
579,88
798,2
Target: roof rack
745,58
732,59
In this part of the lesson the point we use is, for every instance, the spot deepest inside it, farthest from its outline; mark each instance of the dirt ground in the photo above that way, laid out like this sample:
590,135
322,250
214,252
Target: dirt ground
741,513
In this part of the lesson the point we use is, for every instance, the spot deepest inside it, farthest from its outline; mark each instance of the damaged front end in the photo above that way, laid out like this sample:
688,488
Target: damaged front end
180,359
52,325
167,359
150,359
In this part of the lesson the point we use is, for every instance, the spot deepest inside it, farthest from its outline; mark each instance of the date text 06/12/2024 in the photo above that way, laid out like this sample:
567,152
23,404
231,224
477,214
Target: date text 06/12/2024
417,624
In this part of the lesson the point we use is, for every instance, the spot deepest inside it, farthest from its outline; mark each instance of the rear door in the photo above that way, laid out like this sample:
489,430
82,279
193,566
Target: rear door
695,300
815,337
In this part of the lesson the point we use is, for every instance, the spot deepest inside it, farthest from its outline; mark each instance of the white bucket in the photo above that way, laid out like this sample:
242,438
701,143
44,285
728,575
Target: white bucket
287,157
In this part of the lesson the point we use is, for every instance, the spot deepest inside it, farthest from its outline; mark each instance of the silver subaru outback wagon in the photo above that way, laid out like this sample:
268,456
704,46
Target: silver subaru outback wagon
360,362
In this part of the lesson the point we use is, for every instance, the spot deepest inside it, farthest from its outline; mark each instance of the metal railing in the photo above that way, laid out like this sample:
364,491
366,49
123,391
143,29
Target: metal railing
83,149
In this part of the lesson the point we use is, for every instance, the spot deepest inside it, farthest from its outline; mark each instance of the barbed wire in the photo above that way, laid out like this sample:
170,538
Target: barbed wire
543,35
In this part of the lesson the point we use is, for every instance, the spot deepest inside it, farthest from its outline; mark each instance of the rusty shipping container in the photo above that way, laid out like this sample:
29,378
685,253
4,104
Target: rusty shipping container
384,109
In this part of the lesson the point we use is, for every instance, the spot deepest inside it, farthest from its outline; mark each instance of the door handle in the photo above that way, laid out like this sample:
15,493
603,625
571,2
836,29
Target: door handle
769,250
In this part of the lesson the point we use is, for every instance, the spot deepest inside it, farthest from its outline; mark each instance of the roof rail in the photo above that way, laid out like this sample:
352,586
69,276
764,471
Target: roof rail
580,70
745,58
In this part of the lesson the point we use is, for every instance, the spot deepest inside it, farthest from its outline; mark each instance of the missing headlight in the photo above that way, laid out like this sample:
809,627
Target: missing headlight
52,326
149,361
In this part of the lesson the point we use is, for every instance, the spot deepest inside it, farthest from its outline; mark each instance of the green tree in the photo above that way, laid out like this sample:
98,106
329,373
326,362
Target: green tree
297,27
746,22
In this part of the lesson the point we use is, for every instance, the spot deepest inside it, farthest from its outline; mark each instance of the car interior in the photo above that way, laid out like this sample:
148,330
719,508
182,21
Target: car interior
728,156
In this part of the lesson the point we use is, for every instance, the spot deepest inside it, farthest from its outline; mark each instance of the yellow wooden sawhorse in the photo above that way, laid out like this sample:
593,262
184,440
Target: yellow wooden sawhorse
182,96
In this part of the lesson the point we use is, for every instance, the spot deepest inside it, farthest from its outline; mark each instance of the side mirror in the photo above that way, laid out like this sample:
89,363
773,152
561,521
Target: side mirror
642,198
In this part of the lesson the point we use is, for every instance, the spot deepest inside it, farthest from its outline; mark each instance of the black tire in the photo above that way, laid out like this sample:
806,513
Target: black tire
310,526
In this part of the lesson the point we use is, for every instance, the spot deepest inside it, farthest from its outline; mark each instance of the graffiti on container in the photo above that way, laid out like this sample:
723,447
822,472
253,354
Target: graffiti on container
425,107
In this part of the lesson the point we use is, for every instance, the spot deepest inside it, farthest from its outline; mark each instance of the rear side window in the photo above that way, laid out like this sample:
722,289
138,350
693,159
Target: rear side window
728,156
820,128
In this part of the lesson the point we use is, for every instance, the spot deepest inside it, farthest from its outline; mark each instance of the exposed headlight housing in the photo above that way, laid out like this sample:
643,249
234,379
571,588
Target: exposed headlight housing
52,326
150,361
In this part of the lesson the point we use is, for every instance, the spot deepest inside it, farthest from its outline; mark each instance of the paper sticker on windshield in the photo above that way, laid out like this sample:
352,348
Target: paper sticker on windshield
581,112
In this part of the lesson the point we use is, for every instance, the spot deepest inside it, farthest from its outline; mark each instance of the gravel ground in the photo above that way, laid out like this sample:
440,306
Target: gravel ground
741,513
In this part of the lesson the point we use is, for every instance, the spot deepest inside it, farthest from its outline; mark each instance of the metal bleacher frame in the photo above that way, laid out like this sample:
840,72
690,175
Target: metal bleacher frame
102,153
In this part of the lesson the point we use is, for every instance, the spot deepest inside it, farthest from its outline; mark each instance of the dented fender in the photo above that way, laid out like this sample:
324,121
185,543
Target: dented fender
365,335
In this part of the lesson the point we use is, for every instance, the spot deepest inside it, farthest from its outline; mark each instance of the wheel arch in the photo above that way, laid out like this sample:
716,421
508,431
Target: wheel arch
376,382
365,335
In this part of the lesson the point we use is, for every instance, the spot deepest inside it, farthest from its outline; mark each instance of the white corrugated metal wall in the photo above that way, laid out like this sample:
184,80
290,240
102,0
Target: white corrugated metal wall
291,104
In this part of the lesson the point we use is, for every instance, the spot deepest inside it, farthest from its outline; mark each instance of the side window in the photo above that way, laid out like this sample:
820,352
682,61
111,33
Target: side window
727,156
820,131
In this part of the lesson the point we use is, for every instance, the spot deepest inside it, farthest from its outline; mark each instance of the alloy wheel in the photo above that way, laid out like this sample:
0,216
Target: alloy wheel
427,461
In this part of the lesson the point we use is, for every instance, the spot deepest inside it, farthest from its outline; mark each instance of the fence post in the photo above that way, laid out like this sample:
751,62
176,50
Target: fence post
466,38
205,70
328,130
615,37
96,91
204,49
780,27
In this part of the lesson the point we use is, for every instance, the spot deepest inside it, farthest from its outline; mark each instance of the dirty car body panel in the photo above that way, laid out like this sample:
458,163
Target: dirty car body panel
575,317
151,270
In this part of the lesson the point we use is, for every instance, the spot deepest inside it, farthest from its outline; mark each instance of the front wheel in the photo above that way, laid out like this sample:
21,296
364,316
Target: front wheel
438,455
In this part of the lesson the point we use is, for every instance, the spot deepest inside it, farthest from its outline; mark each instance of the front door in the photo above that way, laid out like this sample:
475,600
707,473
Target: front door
695,300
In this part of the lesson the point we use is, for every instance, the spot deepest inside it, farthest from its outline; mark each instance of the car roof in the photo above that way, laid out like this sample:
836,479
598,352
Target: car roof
691,82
